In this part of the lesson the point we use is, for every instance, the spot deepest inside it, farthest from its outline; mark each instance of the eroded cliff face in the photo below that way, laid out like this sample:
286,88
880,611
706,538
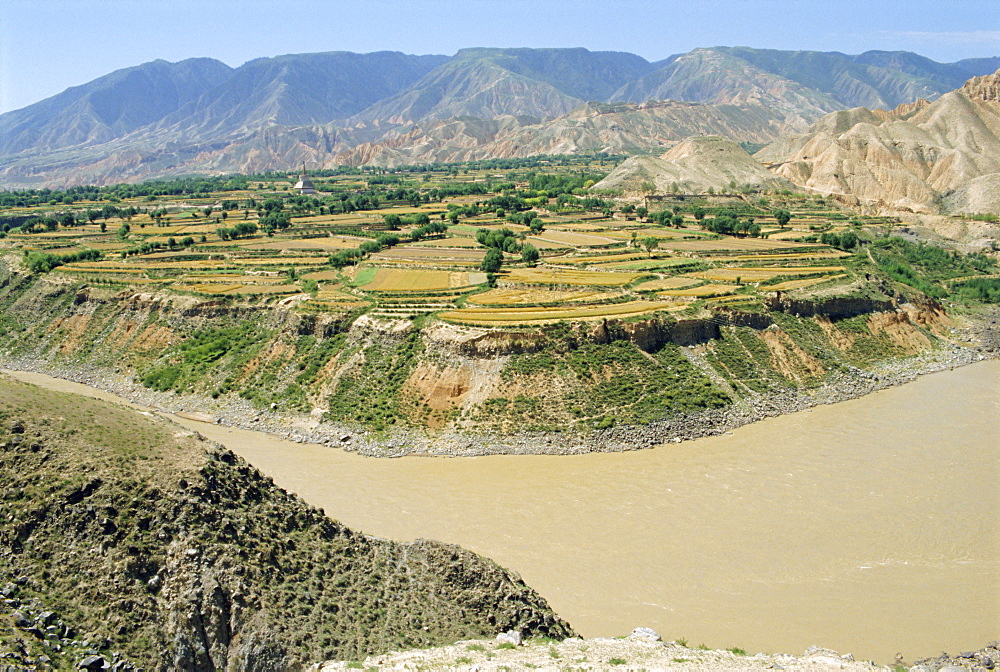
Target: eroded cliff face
363,371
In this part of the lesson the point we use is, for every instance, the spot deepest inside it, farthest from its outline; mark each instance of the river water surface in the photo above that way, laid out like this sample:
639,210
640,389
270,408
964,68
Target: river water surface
868,526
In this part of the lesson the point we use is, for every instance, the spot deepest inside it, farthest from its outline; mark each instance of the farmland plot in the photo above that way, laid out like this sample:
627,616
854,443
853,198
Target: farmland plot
419,280
569,276
525,316
514,296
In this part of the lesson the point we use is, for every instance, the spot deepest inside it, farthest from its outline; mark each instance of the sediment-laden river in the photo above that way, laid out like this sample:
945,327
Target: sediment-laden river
871,526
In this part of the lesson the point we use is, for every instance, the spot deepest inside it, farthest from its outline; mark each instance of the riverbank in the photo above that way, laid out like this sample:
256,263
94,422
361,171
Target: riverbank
979,339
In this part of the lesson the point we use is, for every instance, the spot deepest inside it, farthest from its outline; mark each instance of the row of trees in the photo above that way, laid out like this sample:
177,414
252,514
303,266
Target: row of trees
241,230
43,262
342,258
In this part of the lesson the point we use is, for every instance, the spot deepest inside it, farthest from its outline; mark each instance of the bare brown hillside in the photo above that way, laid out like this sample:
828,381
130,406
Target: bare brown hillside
925,157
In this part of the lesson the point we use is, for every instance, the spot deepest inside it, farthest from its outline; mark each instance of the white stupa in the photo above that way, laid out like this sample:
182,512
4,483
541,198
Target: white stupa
304,185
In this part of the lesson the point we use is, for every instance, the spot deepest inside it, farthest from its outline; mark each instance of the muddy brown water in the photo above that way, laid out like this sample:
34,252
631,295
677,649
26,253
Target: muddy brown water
869,526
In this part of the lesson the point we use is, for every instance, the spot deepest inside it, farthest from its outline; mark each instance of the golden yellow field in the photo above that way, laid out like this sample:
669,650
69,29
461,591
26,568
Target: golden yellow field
745,274
446,256
514,296
419,280
335,295
799,284
324,244
793,256
678,282
699,292
511,316
235,288
235,278
278,261
569,276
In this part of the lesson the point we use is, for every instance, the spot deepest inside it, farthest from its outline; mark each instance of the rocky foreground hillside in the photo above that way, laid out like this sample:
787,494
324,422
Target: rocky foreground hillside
127,542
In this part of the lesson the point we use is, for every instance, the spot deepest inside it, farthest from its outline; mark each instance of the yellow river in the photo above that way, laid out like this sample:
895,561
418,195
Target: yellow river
871,526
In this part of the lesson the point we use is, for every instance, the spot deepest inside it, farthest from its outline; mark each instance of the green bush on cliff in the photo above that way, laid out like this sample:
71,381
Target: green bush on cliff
371,394
598,386
204,355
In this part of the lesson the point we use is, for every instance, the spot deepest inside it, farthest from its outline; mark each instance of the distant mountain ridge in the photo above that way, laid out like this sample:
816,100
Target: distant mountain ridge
201,116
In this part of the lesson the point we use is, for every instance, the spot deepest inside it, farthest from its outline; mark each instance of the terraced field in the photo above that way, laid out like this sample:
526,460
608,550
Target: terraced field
728,244
418,280
510,316
758,274
326,250
569,276
515,296
412,253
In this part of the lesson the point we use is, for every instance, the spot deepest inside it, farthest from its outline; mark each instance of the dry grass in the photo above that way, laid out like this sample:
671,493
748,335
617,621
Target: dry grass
448,242
603,258
325,244
574,239
660,234
322,275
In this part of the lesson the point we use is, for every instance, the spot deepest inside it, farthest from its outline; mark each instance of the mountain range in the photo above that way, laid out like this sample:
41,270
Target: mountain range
164,119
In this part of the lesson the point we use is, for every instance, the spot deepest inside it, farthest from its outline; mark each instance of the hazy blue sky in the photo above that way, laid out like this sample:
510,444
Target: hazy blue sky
49,45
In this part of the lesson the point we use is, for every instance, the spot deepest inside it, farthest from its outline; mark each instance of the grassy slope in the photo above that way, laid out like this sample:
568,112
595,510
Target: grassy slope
144,538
